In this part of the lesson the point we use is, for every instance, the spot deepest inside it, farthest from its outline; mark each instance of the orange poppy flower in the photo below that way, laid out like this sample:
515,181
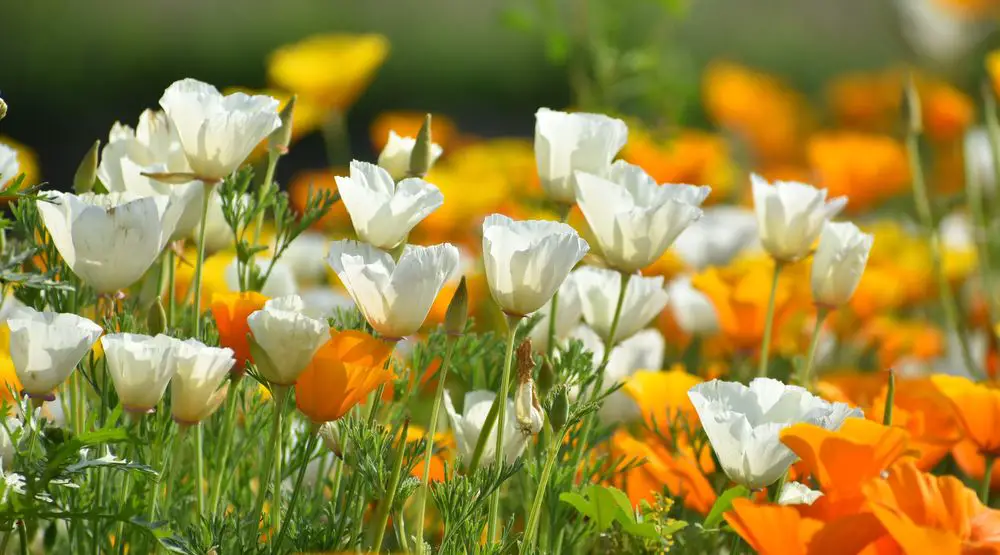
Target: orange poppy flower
662,396
868,101
946,111
231,311
977,409
921,409
844,460
443,447
972,463
867,168
341,374
679,473
690,156
932,514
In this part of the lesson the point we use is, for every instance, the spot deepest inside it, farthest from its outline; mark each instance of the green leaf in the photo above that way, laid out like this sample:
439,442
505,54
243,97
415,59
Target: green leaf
723,504
641,529
602,505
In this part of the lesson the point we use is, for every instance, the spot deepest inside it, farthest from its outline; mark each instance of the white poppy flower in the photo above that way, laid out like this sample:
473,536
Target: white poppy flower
568,314
692,310
194,388
289,337
634,219
795,493
743,424
140,367
382,211
217,132
979,159
566,143
527,261
790,216
469,425
839,263
940,32
645,297
9,166
395,156
717,237
109,241
45,347
394,296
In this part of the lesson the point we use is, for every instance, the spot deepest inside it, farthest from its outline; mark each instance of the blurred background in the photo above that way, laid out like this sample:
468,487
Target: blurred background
71,69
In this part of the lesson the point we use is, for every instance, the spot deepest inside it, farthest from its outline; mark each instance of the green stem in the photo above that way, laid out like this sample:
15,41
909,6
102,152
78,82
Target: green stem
923,204
612,333
553,312
984,488
262,192
199,441
974,192
278,394
310,445
765,347
385,506
228,430
172,288
429,450
530,529
501,400
821,313
201,261
22,534
890,399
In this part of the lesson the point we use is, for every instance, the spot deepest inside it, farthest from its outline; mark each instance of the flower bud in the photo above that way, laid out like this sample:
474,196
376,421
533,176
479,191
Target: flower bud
3,109
911,104
546,377
280,138
156,318
559,411
86,172
458,310
839,263
530,418
330,434
422,156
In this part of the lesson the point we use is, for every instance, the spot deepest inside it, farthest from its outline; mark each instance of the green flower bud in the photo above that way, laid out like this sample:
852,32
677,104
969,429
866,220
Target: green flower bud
458,310
156,318
559,412
86,172
3,109
422,157
281,137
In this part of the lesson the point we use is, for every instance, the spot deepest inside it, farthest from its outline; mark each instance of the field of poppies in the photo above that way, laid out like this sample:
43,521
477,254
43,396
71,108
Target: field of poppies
778,333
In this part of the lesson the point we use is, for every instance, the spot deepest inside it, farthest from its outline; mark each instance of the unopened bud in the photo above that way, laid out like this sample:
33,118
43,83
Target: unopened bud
546,377
86,172
156,318
528,411
422,156
911,103
281,137
330,434
458,310
559,411
3,109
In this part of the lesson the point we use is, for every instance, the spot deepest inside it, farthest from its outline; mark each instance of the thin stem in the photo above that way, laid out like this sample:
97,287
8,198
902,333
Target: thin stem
201,261
381,519
310,445
265,188
22,534
278,395
228,431
765,347
199,441
171,288
612,333
923,204
821,313
501,399
530,529
974,191
984,488
429,450
551,335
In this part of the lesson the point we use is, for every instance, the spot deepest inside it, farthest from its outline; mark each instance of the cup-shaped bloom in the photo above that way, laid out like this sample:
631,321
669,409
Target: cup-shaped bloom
140,367
566,143
9,166
568,314
599,288
395,156
199,371
231,311
46,346
394,296
217,132
342,373
468,425
383,212
527,261
743,424
288,337
633,219
790,216
692,310
717,237
109,241
839,262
